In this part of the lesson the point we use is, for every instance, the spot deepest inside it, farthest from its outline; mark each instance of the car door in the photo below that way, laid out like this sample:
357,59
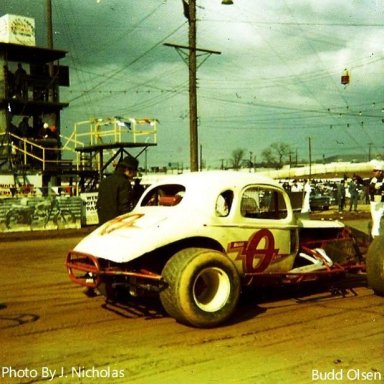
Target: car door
267,227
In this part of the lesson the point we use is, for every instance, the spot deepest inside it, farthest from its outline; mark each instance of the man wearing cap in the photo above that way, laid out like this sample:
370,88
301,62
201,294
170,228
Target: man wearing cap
115,192
376,192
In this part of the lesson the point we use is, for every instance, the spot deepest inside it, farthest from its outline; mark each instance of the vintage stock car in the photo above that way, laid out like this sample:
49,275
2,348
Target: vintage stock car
198,239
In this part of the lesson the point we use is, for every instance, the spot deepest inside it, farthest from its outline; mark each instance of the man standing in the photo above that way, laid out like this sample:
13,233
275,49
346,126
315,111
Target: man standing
307,189
25,130
354,193
341,195
21,84
115,191
376,192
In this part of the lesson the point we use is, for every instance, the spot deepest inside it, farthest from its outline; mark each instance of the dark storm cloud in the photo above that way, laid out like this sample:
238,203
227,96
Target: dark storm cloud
277,77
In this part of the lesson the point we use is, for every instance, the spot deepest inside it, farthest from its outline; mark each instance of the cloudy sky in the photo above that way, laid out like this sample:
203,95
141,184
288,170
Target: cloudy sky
277,78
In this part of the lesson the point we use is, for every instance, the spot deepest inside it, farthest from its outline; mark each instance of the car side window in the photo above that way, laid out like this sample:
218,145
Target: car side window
224,203
164,195
263,203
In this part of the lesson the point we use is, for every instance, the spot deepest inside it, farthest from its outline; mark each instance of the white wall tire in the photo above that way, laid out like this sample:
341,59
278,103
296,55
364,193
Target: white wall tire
203,287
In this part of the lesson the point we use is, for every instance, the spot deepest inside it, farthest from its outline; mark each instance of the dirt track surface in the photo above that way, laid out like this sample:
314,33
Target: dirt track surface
302,335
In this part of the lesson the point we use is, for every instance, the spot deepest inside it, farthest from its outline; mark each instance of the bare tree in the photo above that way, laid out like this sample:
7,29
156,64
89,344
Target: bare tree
237,158
276,154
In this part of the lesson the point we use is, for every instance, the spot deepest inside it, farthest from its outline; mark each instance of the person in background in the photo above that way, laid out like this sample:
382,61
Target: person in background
44,131
366,193
21,82
341,195
354,193
116,194
138,190
25,129
376,192
306,207
9,83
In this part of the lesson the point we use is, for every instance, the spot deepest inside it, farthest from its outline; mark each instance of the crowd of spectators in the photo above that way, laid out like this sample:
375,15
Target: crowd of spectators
30,138
17,82
345,193
38,130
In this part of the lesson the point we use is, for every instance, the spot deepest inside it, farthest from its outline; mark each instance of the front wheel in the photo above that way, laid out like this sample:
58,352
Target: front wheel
203,287
375,265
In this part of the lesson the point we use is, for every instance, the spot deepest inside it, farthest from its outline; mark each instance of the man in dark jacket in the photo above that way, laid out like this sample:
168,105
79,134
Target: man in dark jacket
115,191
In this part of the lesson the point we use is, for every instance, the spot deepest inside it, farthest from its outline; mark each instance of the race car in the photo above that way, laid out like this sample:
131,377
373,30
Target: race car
198,239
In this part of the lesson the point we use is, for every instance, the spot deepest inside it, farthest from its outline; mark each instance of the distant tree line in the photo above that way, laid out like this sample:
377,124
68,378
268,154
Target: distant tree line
275,156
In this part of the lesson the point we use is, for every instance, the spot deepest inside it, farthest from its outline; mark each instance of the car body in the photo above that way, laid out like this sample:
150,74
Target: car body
197,239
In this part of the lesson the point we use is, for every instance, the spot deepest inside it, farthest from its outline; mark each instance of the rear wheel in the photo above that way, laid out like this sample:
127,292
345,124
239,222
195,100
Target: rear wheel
375,265
203,287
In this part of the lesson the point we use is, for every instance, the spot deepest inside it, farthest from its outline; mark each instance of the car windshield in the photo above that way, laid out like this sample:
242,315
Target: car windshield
167,195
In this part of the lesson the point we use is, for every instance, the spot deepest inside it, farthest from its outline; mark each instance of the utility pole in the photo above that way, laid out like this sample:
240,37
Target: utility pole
201,158
290,158
192,87
190,14
49,24
310,156
146,160
50,44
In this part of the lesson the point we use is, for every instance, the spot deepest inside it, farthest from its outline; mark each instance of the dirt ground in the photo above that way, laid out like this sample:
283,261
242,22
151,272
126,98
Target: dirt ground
362,214
52,332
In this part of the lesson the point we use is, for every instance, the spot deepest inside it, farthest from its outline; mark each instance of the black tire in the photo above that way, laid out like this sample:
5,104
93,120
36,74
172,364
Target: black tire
375,265
203,287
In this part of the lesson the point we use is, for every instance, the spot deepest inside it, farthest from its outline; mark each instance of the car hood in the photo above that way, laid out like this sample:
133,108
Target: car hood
131,235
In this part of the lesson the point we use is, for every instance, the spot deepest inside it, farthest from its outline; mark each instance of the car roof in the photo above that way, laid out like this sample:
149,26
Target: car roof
218,179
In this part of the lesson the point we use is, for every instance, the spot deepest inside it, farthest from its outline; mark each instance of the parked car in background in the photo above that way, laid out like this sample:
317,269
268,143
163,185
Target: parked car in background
319,201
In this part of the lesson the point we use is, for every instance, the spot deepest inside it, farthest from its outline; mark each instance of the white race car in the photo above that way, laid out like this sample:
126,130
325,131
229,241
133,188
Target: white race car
196,239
